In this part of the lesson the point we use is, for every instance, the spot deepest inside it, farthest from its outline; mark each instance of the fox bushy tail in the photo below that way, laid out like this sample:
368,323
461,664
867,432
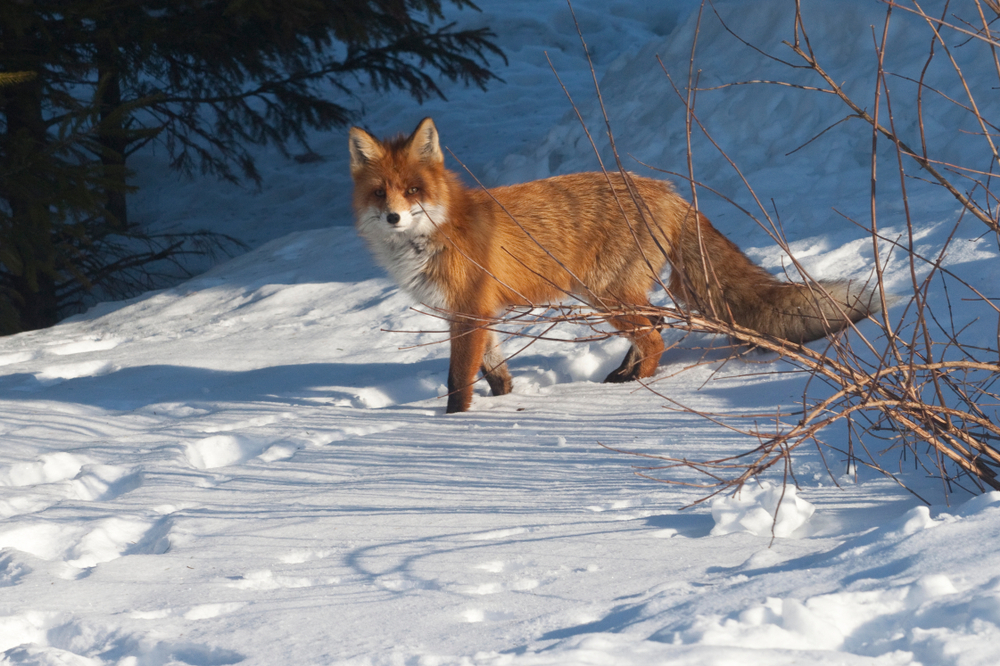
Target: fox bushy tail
711,274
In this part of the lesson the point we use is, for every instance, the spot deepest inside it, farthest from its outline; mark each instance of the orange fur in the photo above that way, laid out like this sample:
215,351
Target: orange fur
474,252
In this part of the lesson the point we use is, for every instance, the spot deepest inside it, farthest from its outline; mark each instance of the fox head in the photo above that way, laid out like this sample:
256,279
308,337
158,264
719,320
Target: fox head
399,184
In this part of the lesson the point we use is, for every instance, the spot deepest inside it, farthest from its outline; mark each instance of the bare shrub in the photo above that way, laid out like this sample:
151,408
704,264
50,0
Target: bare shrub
924,385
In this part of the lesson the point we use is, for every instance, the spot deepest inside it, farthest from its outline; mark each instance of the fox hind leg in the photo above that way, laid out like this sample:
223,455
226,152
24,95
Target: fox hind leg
626,371
495,367
643,356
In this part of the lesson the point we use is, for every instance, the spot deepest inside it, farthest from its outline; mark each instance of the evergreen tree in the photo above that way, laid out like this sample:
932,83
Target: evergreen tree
45,181
208,78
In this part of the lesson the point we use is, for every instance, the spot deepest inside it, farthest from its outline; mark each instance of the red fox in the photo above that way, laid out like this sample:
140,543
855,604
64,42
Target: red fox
474,252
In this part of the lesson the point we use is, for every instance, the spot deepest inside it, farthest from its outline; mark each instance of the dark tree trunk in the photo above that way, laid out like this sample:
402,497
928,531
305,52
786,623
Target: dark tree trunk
112,137
25,190
40,307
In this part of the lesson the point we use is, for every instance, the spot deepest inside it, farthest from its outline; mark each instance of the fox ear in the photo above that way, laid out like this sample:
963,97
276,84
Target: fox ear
423,143
364,149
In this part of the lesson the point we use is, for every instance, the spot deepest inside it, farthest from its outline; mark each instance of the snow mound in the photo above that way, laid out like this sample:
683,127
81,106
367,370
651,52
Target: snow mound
761,510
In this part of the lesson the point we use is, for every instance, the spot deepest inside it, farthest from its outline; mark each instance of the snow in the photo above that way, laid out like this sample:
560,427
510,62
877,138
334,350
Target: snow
761,510
254,466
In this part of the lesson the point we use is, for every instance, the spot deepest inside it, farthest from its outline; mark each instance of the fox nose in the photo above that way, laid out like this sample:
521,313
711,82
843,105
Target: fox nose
392,218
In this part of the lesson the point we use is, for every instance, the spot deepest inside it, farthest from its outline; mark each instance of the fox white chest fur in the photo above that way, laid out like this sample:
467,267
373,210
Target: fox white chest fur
406,248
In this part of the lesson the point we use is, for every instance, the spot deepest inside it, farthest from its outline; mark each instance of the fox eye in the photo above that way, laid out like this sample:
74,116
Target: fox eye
380,193
413,190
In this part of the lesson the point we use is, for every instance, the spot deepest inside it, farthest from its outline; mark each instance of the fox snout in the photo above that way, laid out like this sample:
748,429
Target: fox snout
392,218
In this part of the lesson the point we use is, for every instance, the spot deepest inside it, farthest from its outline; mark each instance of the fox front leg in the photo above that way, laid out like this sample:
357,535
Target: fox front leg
468,347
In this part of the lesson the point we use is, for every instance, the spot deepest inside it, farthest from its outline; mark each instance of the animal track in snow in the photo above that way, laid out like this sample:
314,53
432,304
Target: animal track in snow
85,545
113,537
10,570
49,468
104,482
57,476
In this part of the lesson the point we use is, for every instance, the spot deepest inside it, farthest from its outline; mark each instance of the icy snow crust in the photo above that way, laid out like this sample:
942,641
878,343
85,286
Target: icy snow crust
248,469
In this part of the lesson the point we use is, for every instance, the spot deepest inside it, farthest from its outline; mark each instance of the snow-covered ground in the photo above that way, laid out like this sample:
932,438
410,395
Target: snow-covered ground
248,468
